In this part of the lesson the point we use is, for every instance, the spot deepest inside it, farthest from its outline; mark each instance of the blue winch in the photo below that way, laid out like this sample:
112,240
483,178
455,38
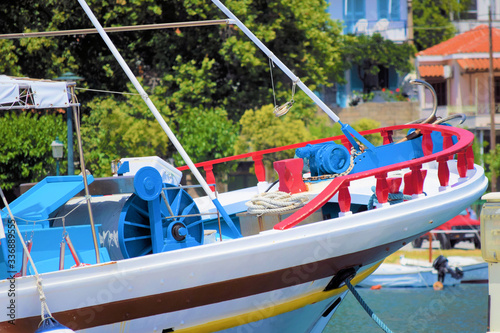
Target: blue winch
325,158
158,217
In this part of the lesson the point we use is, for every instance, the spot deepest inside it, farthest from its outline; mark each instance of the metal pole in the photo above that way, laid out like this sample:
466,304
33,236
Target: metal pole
493,137
69,125
410,22
84,174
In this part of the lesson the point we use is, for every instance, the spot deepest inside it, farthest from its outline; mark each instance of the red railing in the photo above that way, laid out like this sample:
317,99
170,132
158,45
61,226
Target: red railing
414,179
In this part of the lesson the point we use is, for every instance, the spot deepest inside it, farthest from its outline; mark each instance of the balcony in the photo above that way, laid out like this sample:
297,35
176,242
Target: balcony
393,30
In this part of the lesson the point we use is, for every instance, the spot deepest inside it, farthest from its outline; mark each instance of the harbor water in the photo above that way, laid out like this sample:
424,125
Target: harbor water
462,308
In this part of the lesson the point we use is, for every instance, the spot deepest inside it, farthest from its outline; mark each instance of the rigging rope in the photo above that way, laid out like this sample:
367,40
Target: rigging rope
366,307
43,301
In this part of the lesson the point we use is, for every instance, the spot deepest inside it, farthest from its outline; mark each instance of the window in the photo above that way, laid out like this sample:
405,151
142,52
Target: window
388,9
441,93
355,10
471,12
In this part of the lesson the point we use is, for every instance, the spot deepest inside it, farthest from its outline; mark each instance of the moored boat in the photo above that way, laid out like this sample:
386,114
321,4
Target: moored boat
144,256
410,273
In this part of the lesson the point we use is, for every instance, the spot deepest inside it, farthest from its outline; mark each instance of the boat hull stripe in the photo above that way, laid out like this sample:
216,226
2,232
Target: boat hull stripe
129,309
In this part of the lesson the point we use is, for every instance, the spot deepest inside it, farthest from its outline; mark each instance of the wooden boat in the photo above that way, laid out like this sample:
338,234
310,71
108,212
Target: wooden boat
147,257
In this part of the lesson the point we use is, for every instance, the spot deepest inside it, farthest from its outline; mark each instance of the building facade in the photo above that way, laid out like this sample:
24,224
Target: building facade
387,17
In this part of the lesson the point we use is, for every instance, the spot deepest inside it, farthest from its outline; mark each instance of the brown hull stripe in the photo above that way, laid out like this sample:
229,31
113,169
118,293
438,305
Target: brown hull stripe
172,301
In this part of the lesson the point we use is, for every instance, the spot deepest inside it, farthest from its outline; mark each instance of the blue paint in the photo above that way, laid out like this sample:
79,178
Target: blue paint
227,219
46,247
46,197
325,158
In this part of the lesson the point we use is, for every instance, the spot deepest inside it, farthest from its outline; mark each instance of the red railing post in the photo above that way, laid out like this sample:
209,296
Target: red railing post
462,164
382,188
443,173
346,143
209,175
417,178
470,158
387,136
260,171
427,145
344,199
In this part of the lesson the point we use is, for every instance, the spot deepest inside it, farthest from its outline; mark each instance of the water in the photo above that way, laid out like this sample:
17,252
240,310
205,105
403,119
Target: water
463,308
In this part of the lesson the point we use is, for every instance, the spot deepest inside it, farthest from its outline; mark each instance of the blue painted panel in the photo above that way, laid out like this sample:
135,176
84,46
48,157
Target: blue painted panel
46,247
46,197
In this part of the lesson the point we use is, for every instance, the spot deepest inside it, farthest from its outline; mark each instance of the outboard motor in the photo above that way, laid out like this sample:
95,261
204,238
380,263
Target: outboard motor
442,267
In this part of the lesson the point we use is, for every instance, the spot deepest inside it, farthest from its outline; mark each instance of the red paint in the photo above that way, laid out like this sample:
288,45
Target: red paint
344,197
382,188
462,164
427,142
443,172
260,171
387,136
394,184
290,175
464,140
209,175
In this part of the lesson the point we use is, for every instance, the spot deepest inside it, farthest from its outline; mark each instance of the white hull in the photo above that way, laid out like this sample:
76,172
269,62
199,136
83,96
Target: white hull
236,282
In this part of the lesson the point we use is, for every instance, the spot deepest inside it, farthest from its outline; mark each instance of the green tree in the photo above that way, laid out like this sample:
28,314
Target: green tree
300,33
431,20
492,162
26,152
260,129
370,53
203,78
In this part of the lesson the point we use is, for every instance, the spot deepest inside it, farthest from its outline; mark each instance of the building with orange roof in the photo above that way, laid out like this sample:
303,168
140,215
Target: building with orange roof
458,69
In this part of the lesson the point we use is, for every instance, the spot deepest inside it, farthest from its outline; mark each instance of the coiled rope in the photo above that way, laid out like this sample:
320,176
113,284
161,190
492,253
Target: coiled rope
366,307
275,203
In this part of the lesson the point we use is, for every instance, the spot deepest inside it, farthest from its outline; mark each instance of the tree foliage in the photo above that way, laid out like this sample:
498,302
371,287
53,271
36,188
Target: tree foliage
431,20
492,162
26,152
370,53
202,78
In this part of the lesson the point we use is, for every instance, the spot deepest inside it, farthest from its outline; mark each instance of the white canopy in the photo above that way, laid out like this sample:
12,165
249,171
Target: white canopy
25,93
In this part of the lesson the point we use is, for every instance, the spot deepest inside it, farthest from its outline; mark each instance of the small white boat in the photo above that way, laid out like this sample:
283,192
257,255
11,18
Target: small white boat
160,261
419,273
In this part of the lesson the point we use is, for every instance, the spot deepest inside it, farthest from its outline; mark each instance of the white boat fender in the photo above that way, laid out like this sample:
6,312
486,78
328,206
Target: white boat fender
49,324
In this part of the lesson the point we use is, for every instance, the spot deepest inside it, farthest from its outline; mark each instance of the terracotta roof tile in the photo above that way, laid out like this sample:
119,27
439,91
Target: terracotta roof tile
478,65
472,41
431,71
